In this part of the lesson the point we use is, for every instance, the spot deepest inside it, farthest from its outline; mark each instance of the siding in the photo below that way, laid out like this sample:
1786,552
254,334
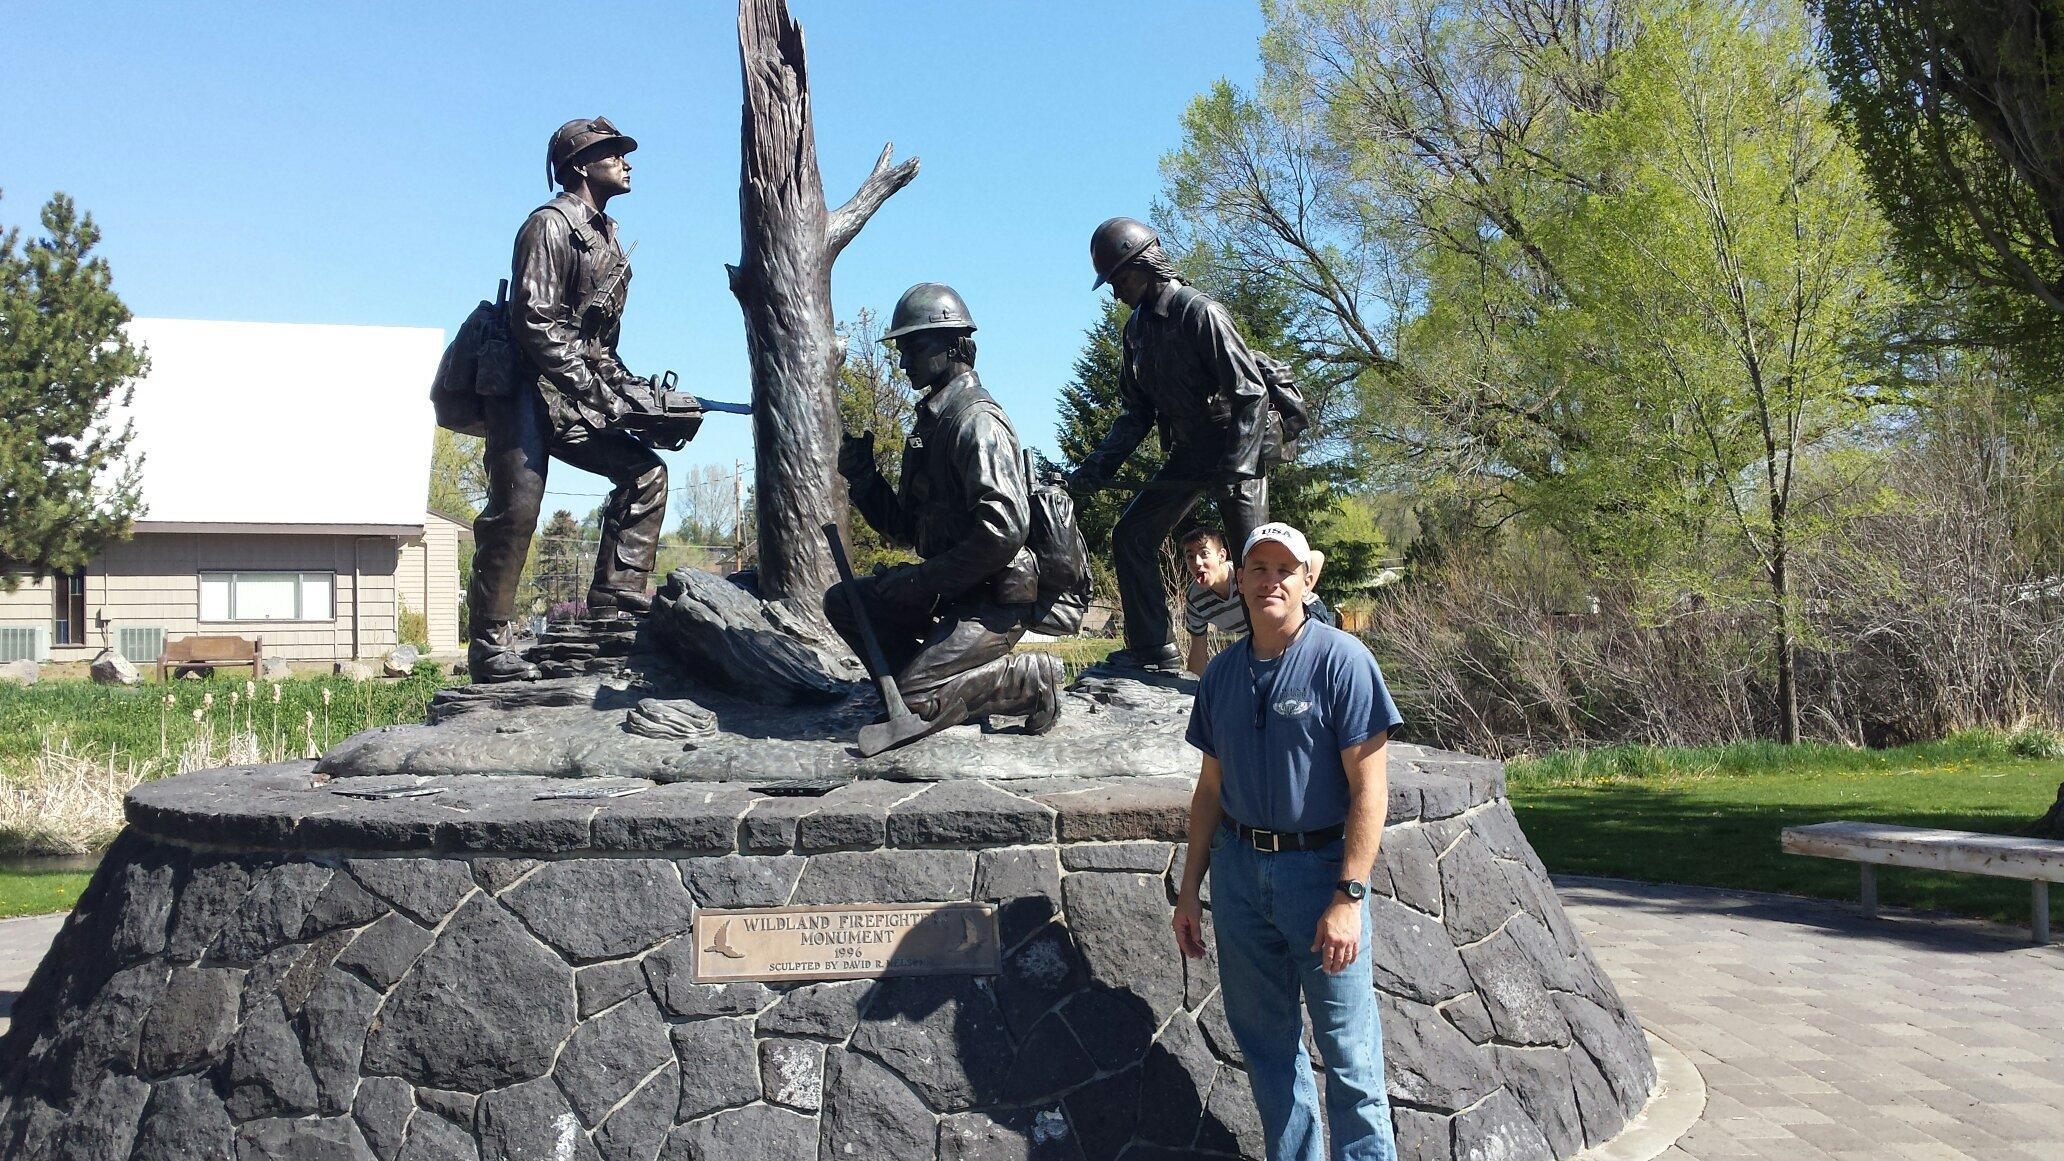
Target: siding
153,579
427,579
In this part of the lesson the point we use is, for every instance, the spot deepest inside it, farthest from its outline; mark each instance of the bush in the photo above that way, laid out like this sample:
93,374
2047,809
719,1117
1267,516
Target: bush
413,628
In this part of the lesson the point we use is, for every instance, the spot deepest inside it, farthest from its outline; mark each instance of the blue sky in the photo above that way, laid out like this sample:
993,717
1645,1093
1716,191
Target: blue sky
369,163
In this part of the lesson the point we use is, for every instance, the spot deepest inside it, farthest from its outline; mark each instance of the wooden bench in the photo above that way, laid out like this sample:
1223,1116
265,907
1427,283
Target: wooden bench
2005,856
211,653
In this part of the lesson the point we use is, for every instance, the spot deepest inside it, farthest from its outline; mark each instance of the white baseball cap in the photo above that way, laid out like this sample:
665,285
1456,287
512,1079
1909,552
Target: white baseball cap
1282,534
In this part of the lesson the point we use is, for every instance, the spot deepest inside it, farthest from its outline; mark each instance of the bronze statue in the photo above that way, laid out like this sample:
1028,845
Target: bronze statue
566,398
947,625
1188,370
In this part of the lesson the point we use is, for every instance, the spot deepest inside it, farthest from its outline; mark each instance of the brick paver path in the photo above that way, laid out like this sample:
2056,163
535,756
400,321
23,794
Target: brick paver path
1822,1032
22,944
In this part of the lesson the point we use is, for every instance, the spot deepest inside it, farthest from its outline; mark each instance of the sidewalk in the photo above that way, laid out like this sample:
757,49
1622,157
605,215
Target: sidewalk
1823,1033
22,943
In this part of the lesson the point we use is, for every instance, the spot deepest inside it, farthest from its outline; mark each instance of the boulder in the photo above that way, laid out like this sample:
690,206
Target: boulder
275,669
400,661
355,670
111,668
754,649
22,672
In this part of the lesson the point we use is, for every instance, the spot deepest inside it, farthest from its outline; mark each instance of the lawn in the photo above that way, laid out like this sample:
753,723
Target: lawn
25,892
1711,816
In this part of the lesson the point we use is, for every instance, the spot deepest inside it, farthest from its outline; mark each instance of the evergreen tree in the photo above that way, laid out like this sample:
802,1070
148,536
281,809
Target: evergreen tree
67,485
561,563
1089,404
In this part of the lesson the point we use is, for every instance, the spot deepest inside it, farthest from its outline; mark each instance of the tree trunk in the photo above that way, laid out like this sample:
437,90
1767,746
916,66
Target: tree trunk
2051,824
783,284
1787,667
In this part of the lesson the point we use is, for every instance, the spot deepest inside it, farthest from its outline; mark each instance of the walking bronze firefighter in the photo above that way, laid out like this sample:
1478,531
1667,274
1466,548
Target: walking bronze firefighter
1187,371
947,624
566,399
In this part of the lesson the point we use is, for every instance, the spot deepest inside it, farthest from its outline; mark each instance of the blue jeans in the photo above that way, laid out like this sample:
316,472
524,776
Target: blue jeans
1265,911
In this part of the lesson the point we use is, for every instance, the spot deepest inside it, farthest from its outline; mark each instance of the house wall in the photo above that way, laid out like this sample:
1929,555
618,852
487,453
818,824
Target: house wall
427,580
153,579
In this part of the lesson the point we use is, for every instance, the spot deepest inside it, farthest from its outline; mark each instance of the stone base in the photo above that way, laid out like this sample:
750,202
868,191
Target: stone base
263,968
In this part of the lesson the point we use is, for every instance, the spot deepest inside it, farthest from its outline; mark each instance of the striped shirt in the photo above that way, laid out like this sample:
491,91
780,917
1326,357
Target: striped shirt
1204,610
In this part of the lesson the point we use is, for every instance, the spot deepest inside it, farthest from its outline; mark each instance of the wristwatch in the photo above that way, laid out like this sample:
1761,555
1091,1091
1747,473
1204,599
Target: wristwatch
1352,888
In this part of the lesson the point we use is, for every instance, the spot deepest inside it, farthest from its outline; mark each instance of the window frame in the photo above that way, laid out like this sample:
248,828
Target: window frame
301,577
68,590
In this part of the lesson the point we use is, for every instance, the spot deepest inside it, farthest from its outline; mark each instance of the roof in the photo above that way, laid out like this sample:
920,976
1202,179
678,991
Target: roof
284,423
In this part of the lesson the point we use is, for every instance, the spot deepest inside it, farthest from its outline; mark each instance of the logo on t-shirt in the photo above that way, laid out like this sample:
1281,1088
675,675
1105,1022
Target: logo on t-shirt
1292,706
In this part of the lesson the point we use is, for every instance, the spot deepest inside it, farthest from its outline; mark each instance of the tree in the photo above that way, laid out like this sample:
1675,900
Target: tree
783,284
67,484
1089,405
1952,106
874,395
561,562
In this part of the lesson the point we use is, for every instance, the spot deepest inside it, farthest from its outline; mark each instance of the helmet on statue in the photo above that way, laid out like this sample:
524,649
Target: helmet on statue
1115,243
929,306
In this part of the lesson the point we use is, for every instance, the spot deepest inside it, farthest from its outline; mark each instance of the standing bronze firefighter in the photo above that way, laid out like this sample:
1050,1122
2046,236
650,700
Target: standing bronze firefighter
947,624
1187,370
565,398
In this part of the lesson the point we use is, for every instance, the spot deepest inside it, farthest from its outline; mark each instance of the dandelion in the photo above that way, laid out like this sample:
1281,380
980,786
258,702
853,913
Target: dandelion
207,701
197,716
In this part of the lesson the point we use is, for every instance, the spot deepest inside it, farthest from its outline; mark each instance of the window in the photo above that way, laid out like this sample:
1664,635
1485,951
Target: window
266,596
68,608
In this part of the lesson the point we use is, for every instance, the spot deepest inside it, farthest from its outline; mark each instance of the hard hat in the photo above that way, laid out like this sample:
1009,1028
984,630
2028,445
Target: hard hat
583,135
928,306
1116,242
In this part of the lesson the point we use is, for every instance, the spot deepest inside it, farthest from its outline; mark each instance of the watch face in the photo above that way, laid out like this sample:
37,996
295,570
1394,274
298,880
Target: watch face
1353,888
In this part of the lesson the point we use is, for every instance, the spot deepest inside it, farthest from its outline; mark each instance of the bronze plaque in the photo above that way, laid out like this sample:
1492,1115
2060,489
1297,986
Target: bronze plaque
848,941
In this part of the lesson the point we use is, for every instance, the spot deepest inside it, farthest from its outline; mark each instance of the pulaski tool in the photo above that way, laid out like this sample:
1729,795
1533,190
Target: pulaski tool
903,726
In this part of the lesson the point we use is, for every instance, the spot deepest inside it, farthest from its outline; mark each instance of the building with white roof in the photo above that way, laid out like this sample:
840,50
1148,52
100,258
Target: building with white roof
285,471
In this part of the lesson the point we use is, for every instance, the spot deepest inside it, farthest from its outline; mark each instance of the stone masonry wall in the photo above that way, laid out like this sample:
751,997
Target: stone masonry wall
262,969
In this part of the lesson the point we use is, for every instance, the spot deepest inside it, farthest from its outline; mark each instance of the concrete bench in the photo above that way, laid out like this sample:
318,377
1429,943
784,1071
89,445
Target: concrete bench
2004,856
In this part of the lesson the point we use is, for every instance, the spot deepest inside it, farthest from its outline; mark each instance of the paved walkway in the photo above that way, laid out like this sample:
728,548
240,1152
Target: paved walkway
1820,1033
1824,1033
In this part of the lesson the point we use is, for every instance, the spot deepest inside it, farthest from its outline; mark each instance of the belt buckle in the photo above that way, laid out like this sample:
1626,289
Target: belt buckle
1275,841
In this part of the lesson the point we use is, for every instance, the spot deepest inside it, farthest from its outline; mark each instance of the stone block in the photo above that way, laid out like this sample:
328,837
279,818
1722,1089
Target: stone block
1049,1061
382,1109
870,1112
439,1028
720,1066
1045,970
184,1121
496,874
531,1122
792,1073
670,973
192,1021
1499,1127
605,985
647,904
1115,812
1107,913
753,1133
887,876
1149,857
329,1139
1104,1114
681,818
1025,885
1540,1079
383,952
968,814
1037,1134
635,1131
1476,897
853,817
1175,1081
828,1011
427,889
1522,1009
1410,956
1427,1062
607,1056
742,880
943,1035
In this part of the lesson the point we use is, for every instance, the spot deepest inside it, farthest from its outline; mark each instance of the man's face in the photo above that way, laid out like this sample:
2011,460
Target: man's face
926,356
1205,557
1129,284
609,175
1272,582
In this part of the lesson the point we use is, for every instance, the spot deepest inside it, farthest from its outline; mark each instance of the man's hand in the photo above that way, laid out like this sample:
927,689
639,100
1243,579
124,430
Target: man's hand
1339,938
856,455
902,588
1081,483
1189,925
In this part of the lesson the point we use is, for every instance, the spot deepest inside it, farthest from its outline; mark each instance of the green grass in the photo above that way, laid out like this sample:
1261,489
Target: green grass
39,892
1077,653
97,720
1711,815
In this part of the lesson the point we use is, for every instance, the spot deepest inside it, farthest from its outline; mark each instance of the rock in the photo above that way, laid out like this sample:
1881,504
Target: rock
1175,1079
104,1126
268,1072
427,889
274,669
968,814
670,973
1117,1027
355,671
382,1109
383,952
753,1133
1421,1135
1427,1062
22,672
184,1121
678,719
331,1139
1540,1078
720,1066
1025,885
647,905
400,661
608,1055
1049,1060
943,1035
738,644
1522,1009
146,910
1150,858
272,913
1104,1114
531,1122
742,881
496,875
1499,1127
212,892
1476,896
1108,912
871,1113
436,1139
888,877
441,1029
634,1131
1037,976
1231,1122
192,1022
828,1011
111,668
792,1073
343,903
334,1023
1019,1135
605,985
1409,954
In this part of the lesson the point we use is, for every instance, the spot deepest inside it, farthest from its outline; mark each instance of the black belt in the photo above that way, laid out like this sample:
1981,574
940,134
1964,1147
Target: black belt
1271,842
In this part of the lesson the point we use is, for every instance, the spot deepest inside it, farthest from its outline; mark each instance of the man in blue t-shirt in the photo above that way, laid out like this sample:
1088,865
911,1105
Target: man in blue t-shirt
1286,819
